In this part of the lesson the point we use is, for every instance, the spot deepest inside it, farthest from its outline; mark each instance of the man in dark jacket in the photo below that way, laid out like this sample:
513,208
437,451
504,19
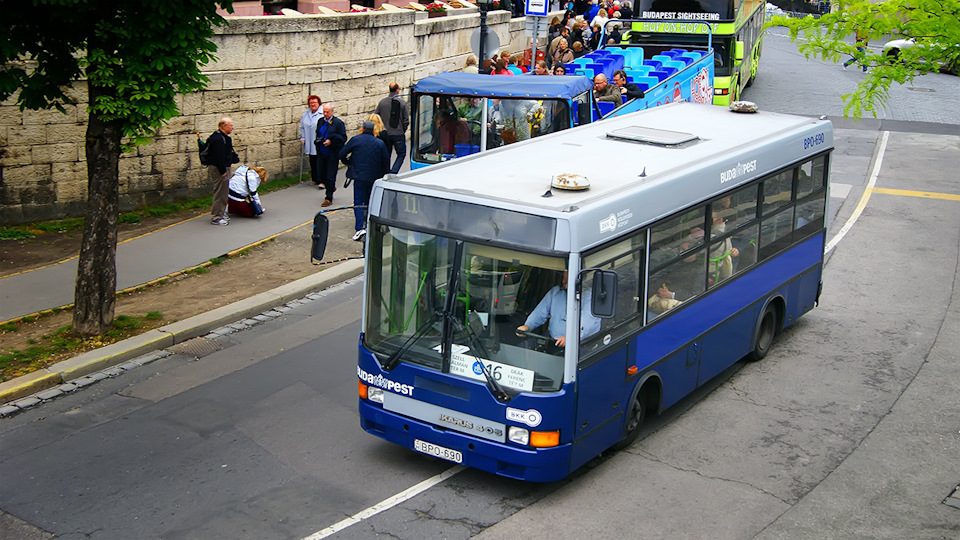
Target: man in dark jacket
220,157
628,90
331,136
367,159
395,113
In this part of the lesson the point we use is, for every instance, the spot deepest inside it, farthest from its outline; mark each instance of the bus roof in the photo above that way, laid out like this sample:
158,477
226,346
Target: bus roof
634,182
530,86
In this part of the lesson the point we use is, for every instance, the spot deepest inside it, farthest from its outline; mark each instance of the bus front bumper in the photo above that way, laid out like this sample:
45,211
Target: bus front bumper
529,464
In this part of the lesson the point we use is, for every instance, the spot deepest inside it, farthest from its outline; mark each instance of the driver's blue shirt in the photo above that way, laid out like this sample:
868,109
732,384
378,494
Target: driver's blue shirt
553,307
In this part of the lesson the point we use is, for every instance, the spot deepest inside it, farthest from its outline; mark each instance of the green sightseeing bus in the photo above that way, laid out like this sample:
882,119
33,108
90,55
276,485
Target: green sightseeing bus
737,36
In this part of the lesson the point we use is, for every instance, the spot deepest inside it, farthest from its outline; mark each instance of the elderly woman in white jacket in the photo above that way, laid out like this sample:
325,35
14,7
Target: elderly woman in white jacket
245,181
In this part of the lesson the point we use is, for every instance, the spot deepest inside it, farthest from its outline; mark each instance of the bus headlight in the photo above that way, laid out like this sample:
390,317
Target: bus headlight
518,435
375,394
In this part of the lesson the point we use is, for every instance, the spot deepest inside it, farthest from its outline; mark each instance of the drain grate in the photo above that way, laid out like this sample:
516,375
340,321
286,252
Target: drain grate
199,347
954,498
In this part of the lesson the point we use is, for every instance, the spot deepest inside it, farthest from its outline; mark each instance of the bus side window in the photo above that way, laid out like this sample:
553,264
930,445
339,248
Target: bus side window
626,259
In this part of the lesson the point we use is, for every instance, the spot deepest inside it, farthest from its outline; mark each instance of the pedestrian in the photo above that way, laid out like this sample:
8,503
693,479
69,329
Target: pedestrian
331,136
470,65
395,113
308,134
221,158
367,159
244,199
861,45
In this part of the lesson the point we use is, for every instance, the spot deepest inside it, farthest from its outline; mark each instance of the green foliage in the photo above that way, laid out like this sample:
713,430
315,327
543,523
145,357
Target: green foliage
15,233
144,53
935,24
216,260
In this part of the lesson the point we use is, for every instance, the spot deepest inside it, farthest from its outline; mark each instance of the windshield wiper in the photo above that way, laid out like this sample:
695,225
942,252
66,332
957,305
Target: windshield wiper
496,389
394,358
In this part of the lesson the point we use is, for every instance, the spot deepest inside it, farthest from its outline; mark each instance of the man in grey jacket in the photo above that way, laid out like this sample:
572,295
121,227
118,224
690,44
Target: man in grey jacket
395,113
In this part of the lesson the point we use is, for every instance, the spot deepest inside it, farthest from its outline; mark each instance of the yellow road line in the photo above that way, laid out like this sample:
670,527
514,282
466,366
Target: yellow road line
921,194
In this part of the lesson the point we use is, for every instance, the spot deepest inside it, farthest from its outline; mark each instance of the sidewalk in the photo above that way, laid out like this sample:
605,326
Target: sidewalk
155,255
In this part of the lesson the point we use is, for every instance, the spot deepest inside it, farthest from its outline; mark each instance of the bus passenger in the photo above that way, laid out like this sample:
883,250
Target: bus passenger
603,91
553,307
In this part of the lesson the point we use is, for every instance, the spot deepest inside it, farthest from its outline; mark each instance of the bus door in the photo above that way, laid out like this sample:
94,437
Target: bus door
600,404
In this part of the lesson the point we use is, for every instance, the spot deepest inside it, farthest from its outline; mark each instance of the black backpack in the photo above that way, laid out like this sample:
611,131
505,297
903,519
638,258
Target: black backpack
204,147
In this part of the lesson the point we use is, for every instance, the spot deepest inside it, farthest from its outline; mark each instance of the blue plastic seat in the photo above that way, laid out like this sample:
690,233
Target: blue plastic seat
669,70
685,60
674,64
692,55
662,58
606,107
671,54
572,67
652,63
659,74
646,82
642,71
586,72
597,68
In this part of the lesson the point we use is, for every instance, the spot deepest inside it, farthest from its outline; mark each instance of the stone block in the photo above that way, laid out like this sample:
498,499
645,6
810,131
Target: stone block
221,102
268,117
16,155
10,116
50,116
27,134
263,152
131,166
192,104
172,163
178,125
63,133
56,153
71,190
275,77
252,98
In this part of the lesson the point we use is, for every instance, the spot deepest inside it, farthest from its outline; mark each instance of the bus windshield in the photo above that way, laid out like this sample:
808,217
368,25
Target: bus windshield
409,311
451,126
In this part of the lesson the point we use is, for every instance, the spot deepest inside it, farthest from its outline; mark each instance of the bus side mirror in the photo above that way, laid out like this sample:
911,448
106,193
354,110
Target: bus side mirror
321,228
738,52
604,300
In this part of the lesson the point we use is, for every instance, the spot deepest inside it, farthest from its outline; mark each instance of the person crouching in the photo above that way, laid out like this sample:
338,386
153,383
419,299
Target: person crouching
243,199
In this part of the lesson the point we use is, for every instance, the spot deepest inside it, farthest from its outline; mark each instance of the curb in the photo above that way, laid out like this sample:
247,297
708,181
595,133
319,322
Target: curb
173,333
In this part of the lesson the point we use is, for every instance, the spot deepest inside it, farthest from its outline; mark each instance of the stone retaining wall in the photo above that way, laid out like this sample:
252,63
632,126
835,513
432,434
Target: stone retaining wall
266,69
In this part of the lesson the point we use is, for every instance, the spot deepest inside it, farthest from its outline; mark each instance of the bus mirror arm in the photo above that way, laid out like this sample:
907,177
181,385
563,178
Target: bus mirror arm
321,230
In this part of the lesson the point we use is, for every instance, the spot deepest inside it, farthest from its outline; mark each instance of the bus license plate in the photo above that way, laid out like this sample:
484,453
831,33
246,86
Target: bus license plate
437,451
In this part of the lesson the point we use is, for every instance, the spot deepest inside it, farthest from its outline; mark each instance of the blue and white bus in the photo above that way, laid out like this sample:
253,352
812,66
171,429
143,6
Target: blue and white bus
688,237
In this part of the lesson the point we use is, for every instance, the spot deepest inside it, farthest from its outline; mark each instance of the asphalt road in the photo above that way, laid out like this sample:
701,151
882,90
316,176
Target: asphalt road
847,429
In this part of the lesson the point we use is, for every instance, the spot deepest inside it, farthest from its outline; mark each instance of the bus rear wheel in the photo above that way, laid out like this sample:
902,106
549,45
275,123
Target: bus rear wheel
635,416
766,331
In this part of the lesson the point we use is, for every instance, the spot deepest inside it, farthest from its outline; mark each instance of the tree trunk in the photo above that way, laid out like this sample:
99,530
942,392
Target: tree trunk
96,289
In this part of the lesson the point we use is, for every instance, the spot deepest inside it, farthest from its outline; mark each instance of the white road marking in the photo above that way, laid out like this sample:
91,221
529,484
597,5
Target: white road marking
863,199
386,504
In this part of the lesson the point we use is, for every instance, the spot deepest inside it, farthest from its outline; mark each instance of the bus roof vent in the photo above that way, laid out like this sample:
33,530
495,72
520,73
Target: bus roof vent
663,137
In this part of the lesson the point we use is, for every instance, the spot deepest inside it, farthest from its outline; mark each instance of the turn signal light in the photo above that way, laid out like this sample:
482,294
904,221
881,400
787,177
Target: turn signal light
632,370
362,388
544,439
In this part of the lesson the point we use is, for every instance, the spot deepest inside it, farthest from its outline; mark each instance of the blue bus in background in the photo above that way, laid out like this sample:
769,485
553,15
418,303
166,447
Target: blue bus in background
663,246
458,114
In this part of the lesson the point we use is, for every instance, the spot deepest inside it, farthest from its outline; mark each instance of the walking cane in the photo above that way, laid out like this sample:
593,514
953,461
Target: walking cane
300,178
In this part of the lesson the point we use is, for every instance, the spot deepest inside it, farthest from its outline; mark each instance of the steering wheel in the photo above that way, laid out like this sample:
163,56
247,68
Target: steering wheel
538,337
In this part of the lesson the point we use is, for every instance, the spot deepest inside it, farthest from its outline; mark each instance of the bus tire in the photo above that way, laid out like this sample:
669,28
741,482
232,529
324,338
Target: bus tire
634,420
766,331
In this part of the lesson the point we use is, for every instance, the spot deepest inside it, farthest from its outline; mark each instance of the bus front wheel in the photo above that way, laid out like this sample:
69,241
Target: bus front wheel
766,331
635,416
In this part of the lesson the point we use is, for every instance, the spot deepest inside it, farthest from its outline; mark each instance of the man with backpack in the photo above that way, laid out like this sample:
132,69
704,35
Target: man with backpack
219,156
395,113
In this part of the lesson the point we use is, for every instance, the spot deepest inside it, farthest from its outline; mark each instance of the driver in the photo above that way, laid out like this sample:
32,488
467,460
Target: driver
554,307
